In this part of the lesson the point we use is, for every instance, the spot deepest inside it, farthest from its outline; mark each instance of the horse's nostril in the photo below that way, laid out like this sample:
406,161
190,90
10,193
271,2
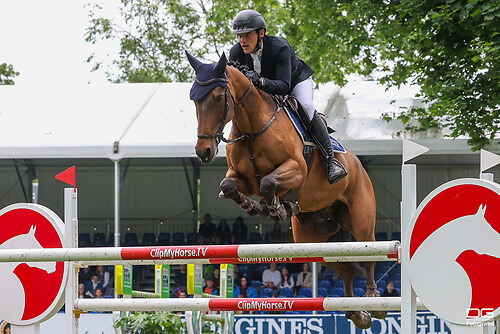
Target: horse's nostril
208,151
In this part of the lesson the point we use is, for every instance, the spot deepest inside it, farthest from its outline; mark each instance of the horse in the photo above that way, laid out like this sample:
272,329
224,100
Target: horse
265,158
11,288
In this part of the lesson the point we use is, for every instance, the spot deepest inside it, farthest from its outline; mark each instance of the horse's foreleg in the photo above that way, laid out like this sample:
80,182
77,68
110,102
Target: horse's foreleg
287,176
229,189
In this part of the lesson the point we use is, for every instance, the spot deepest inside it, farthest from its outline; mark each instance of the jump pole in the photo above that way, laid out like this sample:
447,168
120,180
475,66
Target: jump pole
243,304
340,251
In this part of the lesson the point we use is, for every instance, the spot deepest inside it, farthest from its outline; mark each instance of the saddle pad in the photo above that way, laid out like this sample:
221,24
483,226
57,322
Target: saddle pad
305,136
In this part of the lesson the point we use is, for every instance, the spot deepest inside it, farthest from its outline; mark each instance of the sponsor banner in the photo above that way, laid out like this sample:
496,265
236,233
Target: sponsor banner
427,323
180,252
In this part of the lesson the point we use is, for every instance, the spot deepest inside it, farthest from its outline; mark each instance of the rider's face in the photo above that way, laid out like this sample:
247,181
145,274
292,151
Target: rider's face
248,41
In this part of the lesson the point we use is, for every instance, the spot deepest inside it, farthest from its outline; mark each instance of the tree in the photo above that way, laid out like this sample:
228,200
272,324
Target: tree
7,73
153,37
450,48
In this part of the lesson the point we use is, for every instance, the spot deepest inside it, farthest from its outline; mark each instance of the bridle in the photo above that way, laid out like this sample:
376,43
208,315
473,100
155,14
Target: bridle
219,135
247,137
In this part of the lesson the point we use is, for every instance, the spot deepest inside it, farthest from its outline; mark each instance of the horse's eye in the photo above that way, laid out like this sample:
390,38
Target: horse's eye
218,98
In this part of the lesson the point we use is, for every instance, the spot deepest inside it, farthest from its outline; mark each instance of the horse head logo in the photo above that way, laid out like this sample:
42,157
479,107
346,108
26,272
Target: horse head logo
454,250
11,287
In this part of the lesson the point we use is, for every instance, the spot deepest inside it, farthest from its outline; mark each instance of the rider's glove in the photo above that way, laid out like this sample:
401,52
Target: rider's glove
255,78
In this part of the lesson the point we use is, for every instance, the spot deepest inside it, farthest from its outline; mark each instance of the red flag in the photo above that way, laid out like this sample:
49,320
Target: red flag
68,176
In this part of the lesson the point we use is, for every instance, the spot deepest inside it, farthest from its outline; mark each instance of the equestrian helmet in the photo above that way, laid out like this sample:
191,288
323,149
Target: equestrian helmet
248,20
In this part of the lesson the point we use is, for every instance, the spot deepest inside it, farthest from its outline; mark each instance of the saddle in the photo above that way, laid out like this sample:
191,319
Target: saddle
293,105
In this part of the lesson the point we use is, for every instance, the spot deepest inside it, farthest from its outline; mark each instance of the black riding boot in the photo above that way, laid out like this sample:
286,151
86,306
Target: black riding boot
334,169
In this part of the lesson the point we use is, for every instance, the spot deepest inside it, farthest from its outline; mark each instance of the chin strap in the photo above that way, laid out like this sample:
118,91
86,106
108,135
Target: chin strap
259,42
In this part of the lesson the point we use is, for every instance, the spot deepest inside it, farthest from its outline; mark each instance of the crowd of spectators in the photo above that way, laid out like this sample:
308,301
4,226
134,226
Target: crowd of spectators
94,282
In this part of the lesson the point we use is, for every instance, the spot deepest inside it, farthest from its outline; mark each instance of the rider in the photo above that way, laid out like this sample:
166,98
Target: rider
278,70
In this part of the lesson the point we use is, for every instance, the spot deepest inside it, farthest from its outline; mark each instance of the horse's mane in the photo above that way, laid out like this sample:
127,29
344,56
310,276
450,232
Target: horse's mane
240,67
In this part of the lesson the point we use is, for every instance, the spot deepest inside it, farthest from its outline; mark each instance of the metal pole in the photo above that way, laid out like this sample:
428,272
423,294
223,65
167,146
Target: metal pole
408,207
117,203
71,231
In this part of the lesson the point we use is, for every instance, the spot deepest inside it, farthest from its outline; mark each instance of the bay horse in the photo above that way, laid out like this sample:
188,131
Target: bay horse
265,158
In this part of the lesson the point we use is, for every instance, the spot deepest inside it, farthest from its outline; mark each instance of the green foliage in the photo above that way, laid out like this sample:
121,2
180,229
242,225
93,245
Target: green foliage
151,323
449,48
152,36
7,73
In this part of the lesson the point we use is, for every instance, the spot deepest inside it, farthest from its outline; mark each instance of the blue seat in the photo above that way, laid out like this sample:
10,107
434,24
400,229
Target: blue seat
325,284
84,240
111,240
305,292
130,239
286,292
338,292
256,284
192,238
244,270
397,284
381,236
294,276
381,290
99,240
358,292
255,238
360,283
163,239
148,239
338,284
322,292
178,239
396,236
266,292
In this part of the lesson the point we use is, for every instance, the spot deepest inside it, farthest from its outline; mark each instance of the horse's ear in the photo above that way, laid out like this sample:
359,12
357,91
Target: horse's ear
195,63
481,210
220,68
32,229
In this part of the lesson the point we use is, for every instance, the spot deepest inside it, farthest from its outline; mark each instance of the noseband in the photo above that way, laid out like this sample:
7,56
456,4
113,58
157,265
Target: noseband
220,135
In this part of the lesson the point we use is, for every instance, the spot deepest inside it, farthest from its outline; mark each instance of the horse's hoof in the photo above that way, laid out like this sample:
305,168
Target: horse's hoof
379,314
371,291
361,319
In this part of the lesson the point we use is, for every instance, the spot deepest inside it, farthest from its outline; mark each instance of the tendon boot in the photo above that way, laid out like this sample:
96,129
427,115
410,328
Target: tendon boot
334,169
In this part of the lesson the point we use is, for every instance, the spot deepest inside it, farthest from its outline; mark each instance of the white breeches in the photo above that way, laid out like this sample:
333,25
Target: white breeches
304,92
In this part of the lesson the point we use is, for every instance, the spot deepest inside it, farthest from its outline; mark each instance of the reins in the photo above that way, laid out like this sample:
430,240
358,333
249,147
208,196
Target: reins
247,137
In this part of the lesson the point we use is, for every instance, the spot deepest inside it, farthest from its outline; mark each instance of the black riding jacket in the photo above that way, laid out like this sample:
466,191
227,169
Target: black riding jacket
281,68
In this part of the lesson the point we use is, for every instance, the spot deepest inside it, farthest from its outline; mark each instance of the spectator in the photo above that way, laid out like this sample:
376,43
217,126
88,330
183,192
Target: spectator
304,278
85,275
216,278
201,240
240,230
103,277
243,290
81,291
286,279
99,293
223,231
275,236
183,293
233,240
218,241
390,291
180,277
271,278
255,275
207,229
209,287
92,285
